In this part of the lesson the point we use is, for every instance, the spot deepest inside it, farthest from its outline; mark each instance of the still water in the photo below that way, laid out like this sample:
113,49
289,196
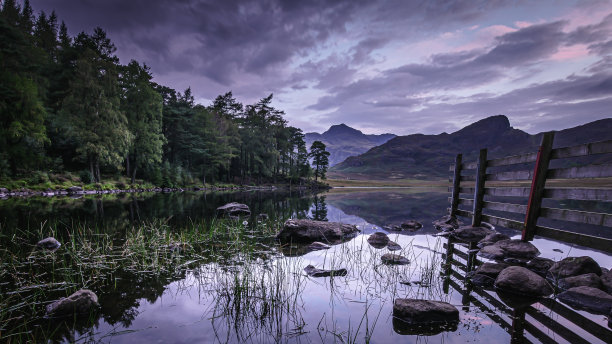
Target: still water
261,294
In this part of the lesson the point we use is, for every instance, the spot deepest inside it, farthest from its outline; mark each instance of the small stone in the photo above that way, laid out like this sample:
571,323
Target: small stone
574,266
314,272
378,240
586,280
588,298
82,301
393,246
471,234
425,311
394,259
522,281
315,246
49,243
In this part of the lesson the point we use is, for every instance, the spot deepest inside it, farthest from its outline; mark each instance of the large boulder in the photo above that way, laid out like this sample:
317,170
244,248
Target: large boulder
586,280
49,243
491,239
574,266
540,265
415,311
314,272
471,234
515,249
591,299
394,259
234,210
81,302
308,231
522,281
378,240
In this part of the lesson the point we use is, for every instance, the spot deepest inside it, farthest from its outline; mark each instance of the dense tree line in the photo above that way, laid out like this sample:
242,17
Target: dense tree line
67,104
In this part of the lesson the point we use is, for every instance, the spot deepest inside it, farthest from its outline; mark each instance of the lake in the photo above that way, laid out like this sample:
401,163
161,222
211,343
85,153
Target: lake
163,275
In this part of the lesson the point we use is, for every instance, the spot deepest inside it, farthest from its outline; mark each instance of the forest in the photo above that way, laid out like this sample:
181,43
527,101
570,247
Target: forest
68,106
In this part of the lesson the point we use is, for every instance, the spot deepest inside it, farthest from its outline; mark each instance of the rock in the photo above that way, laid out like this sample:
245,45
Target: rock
573,266
447,223
491,269
4,191
492,239
394,259
378,240
262,217
586,280
315,246
234,209
591,299
393,246
411,225
606,281
540,265
49,243
415,311
503,249
74,190
82,301
471,234
483,281
557,250
314,272
307,231
522,281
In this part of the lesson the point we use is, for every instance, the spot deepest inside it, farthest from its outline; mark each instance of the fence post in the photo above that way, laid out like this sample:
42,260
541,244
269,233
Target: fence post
537,186
479,188
456,185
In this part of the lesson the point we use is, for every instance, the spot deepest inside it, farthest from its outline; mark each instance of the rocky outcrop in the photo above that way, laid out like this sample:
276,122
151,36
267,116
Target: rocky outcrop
471,234
49,243
234,210
591,299
394,259
514,249
414,311
378,240
81,302
586,280
573,266
522,281
314,272
308,231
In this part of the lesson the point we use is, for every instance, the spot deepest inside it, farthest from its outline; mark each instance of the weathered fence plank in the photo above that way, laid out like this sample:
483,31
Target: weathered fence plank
586,217
479,190
592,171
598,243
579,194
513,160
600,147
456,186
510,175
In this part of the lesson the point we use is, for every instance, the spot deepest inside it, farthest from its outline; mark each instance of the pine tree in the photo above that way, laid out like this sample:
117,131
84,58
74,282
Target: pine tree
320,158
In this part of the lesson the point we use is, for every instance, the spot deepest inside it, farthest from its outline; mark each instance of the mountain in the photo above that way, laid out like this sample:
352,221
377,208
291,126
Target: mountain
428,156
343,141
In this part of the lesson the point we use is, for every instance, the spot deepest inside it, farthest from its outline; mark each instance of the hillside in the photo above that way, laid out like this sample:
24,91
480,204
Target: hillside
343,141
428,156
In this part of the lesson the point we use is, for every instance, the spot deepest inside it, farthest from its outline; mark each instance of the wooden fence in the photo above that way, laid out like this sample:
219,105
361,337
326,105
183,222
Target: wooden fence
546,321
538,172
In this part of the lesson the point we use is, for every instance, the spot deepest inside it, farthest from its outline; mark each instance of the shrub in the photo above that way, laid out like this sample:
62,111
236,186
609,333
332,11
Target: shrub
85,176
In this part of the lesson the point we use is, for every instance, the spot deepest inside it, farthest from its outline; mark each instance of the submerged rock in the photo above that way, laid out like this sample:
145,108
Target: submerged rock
591,299
314,272
394,259
234,209
540,265
586,280
574,266
413,311
447,223
522,281
411,225
307,231
491,239
516,249
378,240
82,301
315,246
49,243
393,246
471,234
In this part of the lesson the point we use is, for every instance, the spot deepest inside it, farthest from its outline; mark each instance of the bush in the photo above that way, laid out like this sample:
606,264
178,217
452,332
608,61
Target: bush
85,176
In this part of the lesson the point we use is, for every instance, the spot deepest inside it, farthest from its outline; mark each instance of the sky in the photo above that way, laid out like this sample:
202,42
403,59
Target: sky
397,66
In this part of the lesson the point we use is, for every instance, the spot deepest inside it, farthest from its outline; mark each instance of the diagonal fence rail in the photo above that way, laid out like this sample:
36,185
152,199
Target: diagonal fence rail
525,176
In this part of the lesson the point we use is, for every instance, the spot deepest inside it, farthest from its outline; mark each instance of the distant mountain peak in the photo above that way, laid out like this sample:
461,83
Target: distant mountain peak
491,125
339,129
